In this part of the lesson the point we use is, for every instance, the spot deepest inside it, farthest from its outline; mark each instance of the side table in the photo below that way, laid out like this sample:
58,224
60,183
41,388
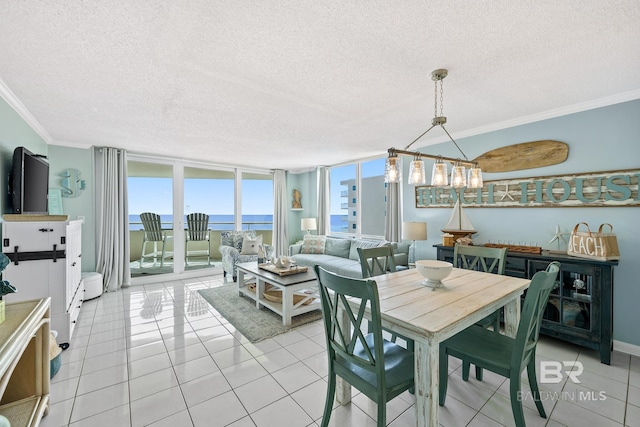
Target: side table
24,362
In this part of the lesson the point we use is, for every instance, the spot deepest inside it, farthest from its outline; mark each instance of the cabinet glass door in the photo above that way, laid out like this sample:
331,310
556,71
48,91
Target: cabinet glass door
570,302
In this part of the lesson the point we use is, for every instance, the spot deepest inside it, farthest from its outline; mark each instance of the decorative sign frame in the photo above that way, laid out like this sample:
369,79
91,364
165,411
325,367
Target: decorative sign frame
595,189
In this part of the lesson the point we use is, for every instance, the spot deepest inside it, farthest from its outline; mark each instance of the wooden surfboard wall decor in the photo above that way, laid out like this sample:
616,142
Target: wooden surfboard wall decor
526,155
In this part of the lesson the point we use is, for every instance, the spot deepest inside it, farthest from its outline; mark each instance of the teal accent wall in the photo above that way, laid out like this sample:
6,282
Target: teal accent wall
602,139
61,158
306,183
14,132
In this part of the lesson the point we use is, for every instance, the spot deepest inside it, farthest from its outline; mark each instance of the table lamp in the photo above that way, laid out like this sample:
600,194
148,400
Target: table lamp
308,224
414,231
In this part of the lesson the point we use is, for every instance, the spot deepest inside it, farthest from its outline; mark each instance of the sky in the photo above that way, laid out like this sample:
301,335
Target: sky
215,197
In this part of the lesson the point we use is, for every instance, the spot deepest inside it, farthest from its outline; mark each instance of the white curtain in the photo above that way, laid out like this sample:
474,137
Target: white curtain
393,216
324,224
280,234
112,221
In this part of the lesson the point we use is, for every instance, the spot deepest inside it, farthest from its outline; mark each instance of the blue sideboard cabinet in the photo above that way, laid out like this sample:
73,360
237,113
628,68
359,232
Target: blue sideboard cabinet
580,307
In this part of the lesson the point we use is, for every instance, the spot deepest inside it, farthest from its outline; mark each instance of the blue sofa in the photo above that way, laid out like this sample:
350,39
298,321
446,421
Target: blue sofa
340,256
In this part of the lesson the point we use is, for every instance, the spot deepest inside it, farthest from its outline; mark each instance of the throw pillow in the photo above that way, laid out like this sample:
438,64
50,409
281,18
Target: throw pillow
337,247
250,245
312,244
238,238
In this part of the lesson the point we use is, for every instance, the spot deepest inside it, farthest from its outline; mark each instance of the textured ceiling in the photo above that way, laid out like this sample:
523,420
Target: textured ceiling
296,83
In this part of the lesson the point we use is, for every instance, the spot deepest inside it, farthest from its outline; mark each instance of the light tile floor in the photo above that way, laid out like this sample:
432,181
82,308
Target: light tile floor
159,355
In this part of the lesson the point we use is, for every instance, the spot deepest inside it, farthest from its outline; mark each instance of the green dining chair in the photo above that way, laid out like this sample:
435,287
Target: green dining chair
380,369
489,260
377,261
504,355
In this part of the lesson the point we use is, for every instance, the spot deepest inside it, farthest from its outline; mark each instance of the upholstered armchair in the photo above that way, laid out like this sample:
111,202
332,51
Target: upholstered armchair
231,248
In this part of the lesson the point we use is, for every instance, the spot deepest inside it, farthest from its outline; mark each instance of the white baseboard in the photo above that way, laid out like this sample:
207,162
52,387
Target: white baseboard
625,347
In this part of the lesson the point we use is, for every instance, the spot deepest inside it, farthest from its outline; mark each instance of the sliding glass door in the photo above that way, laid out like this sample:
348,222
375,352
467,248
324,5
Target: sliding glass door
208,193
150,190
192,204
257,204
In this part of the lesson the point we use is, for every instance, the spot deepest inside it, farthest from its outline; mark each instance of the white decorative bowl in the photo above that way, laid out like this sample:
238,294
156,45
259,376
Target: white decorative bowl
433,271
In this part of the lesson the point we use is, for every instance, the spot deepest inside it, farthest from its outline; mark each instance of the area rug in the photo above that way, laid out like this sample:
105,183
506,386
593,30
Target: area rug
242,313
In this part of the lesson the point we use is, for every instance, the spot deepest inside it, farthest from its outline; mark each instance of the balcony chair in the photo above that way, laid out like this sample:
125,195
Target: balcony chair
377,261
501,354
489,260
380,369
197,231
153,233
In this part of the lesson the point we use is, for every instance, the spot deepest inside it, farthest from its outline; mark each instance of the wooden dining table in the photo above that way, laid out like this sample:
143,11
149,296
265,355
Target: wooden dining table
430,316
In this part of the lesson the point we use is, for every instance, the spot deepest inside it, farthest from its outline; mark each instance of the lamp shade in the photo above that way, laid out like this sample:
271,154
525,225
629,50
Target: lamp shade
458,176
414,230
474,180
439,174
307,224
417,174
392,170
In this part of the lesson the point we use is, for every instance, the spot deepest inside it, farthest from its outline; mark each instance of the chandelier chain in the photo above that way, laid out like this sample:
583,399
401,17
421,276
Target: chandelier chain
435,99
441,98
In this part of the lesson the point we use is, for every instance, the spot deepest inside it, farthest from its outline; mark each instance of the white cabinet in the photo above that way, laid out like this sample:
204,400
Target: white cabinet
46,262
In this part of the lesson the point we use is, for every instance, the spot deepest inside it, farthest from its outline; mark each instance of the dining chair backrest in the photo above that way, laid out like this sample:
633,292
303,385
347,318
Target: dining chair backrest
533,308
342,339
152,227
380,369
197,226
480,258
376,261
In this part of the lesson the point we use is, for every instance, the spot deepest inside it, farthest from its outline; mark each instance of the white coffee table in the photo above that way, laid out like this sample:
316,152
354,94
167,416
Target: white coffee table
304,284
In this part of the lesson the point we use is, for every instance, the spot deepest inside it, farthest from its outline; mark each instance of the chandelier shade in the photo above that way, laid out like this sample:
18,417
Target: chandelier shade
392,170
458,176
439,174
439,178
474,179
417,172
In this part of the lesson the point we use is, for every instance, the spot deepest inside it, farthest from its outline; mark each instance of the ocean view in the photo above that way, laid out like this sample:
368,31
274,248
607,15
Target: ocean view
226,222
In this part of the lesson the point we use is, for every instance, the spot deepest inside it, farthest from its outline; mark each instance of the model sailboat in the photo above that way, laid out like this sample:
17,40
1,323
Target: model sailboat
459,224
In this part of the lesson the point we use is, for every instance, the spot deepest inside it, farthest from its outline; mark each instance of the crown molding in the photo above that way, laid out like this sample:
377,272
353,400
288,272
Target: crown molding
13,101
551,114
537,117
70,144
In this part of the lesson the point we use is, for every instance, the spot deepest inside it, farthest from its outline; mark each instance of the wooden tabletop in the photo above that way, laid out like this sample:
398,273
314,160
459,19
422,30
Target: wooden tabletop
414,307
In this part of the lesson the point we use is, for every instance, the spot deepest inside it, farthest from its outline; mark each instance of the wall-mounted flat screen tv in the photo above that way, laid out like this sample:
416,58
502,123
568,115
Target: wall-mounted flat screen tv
29,183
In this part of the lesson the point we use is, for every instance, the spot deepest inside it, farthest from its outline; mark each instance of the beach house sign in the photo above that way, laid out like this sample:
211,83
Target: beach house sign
595,189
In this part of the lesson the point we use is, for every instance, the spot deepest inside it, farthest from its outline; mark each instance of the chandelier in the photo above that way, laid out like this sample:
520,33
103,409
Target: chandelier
460,175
